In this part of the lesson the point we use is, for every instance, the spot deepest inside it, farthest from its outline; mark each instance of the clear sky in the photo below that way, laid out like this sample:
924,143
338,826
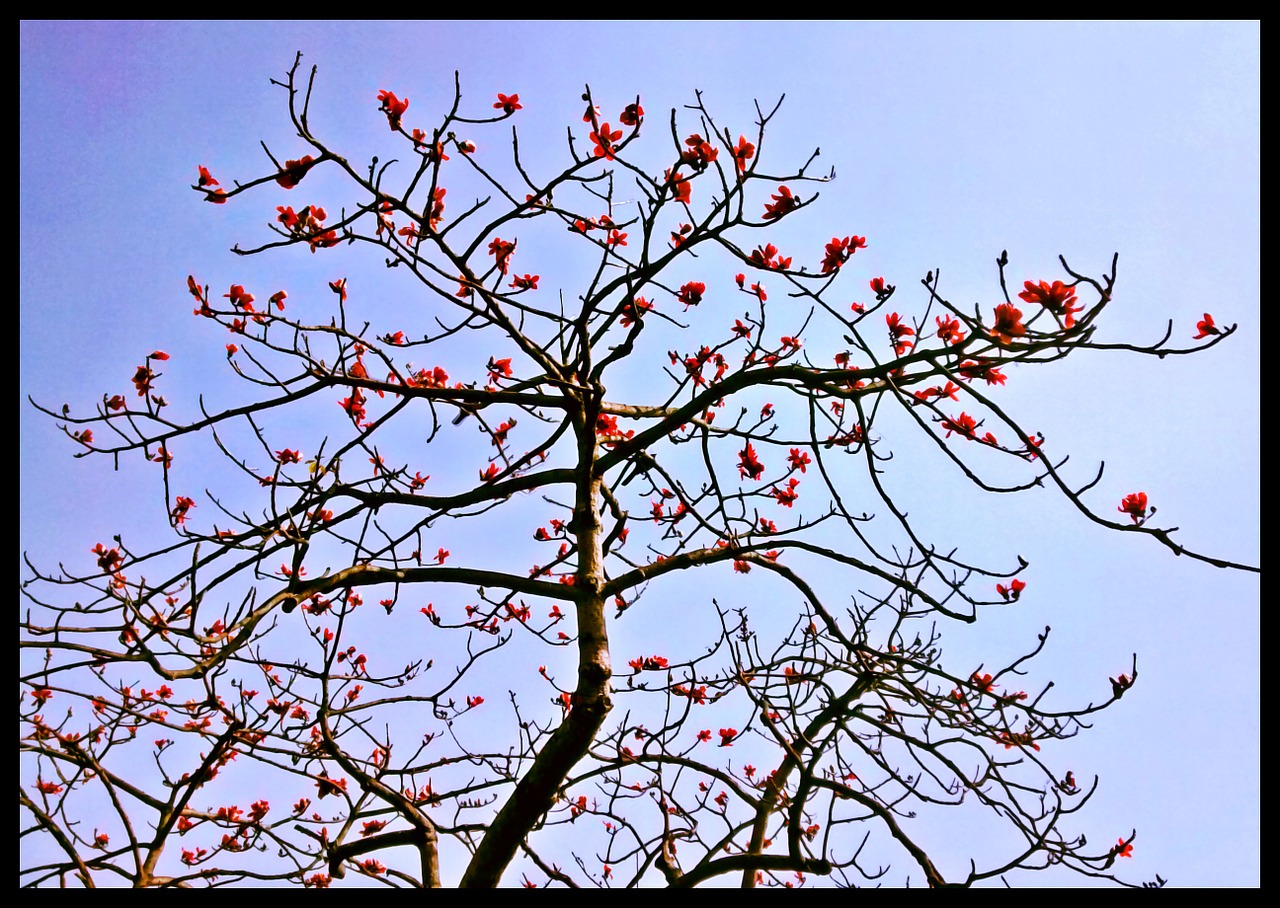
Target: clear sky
950,142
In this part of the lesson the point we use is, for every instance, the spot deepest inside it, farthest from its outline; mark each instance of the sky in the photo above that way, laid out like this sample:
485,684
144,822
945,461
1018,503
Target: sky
950,142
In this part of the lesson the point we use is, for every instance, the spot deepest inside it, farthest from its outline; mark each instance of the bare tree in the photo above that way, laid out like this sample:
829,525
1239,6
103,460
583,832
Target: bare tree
744,448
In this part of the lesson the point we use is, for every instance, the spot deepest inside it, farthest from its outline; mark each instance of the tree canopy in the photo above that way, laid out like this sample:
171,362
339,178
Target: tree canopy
610,375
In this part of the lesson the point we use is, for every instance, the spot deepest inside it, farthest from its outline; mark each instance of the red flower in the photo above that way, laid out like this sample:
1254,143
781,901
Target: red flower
473,702
743,153
798,459
679,185
1135,505
786,497
501,251
630,310
508,103
490,474
704,735
749,464
1206,327
1121,850
879,288
699,154
691,293
528,282
294,171
441,555
393,107
1008,324
329,786
206,179
727,735
354,405
949,329
984,369
288,456
897,331
964,424
632,115
1013,591
764,257
603,140
180,507
499,368
783,203
1056,298
839,250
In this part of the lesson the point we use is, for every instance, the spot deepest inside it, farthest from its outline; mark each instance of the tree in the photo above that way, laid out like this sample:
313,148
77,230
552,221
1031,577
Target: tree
750,455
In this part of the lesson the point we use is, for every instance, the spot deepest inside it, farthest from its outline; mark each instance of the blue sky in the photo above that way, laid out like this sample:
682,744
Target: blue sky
950,142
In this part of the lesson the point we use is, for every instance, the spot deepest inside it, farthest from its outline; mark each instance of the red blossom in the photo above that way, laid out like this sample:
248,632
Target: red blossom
180,507
949,329
1135,505
632,115
984,369
749,464
838,251
507,103
393,107
1013,591
798,459
631,310
783,203
603,140
681,189
294,171
499,369
744,152
501,251
727,735
787,496
963,424
1008,324
1206,327
1057,298
691,293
